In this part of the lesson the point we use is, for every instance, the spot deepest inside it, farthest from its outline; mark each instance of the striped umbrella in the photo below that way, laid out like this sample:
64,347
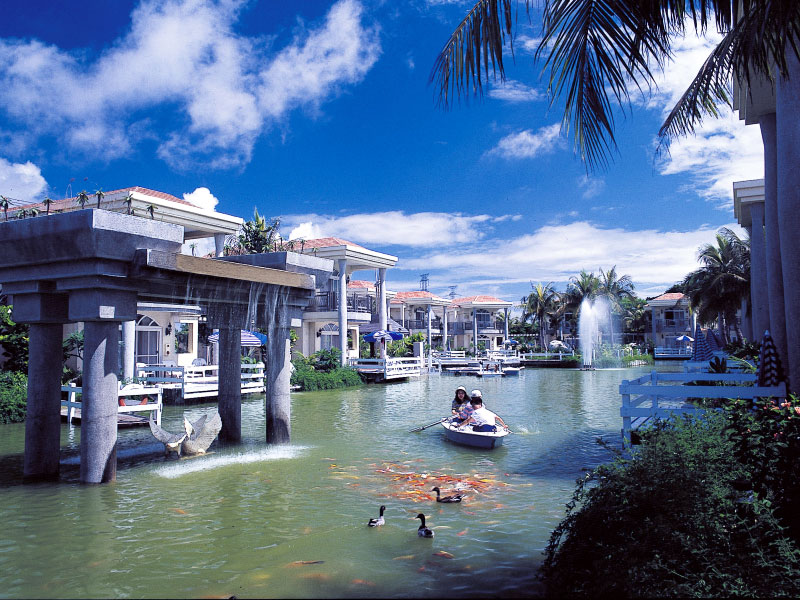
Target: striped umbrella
382,335
249,338
770,371
700,350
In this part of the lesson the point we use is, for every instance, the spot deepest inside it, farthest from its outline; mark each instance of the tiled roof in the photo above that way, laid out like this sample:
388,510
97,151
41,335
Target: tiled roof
327,242
356,283
669,296
480,299
70,203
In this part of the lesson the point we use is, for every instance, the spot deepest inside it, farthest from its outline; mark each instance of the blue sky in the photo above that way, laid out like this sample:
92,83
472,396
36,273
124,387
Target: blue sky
320,113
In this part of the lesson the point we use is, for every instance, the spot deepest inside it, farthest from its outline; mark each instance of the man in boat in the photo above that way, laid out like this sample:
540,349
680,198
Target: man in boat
482,419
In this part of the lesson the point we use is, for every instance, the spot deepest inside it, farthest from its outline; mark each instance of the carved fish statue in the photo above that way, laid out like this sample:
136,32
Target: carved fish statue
172,441
201,434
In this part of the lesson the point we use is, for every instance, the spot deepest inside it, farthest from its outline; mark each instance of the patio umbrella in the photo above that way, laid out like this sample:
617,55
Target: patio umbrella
770,371
684,338
249,338
712,340
700,350
382,336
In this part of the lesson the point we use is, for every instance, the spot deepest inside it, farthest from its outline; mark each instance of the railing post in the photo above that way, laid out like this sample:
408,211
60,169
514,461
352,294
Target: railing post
625,412
71,403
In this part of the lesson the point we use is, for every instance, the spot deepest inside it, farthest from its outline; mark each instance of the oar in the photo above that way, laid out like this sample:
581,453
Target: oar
426,426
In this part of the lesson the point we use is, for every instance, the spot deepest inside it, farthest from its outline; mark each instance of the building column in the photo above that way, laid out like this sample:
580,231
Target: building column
655,342
382,298
278,383
444,328
43,412
343,309
787,103
219,244
505,326
772,239
99,401
128,350
230,384
475,331
430,335
759,302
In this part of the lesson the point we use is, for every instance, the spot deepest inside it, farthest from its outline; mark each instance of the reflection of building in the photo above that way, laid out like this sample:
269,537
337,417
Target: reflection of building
670,319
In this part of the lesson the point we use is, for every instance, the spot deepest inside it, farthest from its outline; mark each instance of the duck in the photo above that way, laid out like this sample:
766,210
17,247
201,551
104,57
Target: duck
378,521
449,499
423,531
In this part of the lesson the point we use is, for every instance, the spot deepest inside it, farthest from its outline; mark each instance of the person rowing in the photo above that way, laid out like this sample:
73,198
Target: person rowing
481,419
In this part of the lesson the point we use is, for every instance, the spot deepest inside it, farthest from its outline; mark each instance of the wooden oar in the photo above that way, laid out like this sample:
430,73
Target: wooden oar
426,426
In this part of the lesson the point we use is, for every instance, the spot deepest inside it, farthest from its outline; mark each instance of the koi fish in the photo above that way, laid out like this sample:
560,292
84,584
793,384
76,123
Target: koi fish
300,563
179,511
443,554
460,533
404,557
362,582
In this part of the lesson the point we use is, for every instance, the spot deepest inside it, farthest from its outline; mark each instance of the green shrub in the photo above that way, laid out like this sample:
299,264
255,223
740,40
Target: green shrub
311,380
682,518
13,396
627,360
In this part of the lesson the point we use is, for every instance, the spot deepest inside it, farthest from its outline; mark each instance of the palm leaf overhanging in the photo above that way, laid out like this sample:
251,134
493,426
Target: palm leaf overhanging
595,51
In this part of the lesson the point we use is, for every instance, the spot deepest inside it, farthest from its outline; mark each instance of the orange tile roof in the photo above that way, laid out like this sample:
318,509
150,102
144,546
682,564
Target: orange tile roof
327,242
480,299
357,283
416,294
669,296
70,203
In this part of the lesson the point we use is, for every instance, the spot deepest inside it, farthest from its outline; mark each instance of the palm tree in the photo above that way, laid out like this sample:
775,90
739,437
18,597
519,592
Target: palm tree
193,248
717,289
596,50
4,204
128,200
151,209
21,213
540,305
82,199
615,289
47,202
99,194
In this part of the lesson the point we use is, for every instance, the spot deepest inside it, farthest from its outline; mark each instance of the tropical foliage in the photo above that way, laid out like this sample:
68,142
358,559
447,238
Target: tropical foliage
13,396
595,51
259,235
321,371
13,339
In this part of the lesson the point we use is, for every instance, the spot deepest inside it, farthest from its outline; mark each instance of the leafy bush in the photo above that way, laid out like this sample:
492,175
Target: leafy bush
322,371
13,396
13,339
627,360
677,519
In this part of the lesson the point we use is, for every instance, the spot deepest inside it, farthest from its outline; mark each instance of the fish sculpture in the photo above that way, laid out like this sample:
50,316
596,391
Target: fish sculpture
196,439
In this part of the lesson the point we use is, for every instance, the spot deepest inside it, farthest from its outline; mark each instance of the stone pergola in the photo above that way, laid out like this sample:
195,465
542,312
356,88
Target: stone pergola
94,266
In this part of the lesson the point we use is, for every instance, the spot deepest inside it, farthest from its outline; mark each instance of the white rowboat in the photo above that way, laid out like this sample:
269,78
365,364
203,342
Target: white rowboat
477,439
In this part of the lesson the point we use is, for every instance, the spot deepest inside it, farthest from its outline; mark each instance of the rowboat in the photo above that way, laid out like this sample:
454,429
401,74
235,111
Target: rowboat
476,439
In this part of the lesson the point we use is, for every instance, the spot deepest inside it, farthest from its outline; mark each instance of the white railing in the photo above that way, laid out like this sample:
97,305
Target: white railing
151,400
389,368
445,354
546,355
663,395
672,352
200,381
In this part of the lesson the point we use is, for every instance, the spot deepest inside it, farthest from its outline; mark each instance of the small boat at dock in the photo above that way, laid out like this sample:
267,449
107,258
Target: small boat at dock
477,439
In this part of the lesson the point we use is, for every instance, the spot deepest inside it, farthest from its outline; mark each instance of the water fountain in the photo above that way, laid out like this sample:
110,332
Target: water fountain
94,266
592,315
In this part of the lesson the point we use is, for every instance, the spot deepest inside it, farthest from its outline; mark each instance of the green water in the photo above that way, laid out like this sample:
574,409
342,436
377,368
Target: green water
290,521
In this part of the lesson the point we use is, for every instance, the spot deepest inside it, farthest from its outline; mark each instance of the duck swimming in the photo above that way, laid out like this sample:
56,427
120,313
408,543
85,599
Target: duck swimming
449,499
423,531
379,520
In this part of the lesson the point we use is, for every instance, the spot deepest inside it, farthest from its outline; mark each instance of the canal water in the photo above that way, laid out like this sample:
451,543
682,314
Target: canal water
290,521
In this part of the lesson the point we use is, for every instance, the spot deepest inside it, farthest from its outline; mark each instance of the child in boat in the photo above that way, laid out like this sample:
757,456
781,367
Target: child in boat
482,419
459,400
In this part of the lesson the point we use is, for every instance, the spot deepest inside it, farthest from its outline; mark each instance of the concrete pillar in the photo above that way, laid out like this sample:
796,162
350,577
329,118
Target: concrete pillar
128,349
219,244
475,331
382,298
430,335
230,384
759,302
278,384
787,118
444,328
43,413
653,312
343,309
772,238
99,401
505,325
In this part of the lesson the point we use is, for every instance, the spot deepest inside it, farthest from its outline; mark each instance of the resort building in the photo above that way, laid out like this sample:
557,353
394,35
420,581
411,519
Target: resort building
416,311
669,320
748,207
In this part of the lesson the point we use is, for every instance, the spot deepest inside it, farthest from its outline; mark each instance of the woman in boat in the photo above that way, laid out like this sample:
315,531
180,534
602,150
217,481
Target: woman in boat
482,419
461,407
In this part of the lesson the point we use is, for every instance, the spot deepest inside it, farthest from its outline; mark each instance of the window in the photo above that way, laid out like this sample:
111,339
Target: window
148,340
183,338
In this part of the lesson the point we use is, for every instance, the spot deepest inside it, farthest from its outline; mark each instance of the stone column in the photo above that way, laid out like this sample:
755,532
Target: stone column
43,412
219,244
772,239
475,331
430,336
759,302
787,118
444,328
230,383
128,349
655,343
505,325
278,383
343,309
99,401
382,298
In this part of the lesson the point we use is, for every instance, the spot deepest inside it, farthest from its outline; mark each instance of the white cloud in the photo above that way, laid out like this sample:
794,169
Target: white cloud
395,228
723,150
527,43
526,144
203,198
591,186
22,181
514,91
183,55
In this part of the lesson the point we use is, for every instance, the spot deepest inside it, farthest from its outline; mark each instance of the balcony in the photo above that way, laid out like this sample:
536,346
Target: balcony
667,325
422,324
329,302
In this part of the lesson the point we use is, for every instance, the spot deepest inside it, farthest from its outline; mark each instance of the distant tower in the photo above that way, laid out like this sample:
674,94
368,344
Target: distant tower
452,293
423,282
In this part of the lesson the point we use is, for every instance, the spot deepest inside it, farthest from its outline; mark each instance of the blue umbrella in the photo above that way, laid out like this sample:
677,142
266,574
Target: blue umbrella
382,335
249,338
700,350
